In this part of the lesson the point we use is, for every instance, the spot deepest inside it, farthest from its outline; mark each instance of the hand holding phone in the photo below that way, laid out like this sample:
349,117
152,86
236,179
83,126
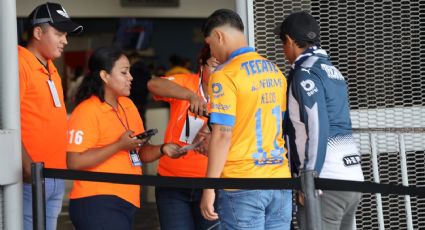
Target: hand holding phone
147,134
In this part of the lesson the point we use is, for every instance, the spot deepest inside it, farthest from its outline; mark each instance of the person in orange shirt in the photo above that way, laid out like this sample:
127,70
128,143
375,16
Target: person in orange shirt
178,208
43,113
101,139
177,66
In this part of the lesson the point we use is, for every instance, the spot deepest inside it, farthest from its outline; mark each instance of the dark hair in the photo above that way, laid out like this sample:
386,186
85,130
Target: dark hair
103,58
176,60
300,43
222,17
203,56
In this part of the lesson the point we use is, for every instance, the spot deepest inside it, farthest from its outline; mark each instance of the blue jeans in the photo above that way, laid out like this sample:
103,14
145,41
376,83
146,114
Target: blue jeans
178,208
54,189
255,209
101,212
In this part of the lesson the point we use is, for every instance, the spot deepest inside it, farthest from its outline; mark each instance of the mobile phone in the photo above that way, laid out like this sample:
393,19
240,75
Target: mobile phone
147,133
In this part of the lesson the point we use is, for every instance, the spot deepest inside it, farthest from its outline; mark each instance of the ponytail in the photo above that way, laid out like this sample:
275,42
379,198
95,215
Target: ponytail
92,85
103,58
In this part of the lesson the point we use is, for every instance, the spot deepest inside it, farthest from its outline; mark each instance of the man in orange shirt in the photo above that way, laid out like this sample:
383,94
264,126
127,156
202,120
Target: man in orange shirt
43,113
176,66
178,208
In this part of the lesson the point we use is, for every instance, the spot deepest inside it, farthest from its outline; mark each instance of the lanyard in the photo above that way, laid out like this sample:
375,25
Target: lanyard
134,153
118,116
200,90
46,66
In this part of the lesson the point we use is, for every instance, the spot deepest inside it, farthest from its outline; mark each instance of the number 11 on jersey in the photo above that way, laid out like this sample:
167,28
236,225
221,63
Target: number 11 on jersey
260,157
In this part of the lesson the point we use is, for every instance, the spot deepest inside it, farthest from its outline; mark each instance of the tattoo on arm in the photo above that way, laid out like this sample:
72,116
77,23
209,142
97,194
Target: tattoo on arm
225,129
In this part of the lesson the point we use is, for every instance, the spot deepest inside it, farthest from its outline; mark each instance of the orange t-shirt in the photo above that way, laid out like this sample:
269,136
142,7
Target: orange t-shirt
43,125
94,124
192,164
177,70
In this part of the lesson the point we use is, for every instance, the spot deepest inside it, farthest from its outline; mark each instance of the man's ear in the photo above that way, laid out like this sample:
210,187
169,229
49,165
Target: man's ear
289,40
220,35
37,32
104,76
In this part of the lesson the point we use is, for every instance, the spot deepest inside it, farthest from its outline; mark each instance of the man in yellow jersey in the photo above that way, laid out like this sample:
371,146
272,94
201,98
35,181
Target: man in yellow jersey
247,95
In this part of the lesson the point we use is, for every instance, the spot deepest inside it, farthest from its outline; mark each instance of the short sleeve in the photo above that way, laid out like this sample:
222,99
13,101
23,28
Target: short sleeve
23,78
222,93
83,130
179,79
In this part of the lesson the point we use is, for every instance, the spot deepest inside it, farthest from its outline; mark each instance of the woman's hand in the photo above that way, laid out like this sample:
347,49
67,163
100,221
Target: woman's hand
127,142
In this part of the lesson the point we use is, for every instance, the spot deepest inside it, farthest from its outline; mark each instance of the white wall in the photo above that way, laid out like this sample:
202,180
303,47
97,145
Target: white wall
113,8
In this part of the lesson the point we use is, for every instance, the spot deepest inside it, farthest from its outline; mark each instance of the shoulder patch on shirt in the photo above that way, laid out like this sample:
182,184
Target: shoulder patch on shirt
332,72
217,90
309,86
351,160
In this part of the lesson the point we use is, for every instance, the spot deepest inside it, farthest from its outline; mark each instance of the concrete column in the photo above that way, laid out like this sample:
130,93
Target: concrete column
10,116
245,8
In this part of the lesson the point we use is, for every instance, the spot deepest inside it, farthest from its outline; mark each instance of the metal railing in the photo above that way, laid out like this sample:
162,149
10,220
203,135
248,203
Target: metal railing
373,134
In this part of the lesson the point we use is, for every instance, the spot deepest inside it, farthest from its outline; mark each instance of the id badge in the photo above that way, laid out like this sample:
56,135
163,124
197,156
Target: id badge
134,157
195,124
54,93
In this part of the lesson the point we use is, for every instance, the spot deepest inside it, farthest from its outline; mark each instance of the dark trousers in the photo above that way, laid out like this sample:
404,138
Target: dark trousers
104,212
338,210
178,209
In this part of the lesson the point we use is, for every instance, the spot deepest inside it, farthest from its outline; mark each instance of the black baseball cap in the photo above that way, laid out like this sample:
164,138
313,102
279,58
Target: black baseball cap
56,16
300,26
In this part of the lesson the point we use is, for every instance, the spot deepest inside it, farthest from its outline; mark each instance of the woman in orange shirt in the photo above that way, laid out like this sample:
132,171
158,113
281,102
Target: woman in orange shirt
100,134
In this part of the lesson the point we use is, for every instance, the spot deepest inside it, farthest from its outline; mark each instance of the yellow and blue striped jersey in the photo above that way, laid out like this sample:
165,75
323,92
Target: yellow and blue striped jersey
248,92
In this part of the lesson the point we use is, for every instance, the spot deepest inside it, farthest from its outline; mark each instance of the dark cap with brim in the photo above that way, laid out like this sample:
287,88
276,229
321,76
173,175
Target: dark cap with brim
68,26
300,26
56,16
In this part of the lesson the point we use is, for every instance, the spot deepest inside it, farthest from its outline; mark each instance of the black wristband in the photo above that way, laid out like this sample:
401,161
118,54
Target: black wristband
161,149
